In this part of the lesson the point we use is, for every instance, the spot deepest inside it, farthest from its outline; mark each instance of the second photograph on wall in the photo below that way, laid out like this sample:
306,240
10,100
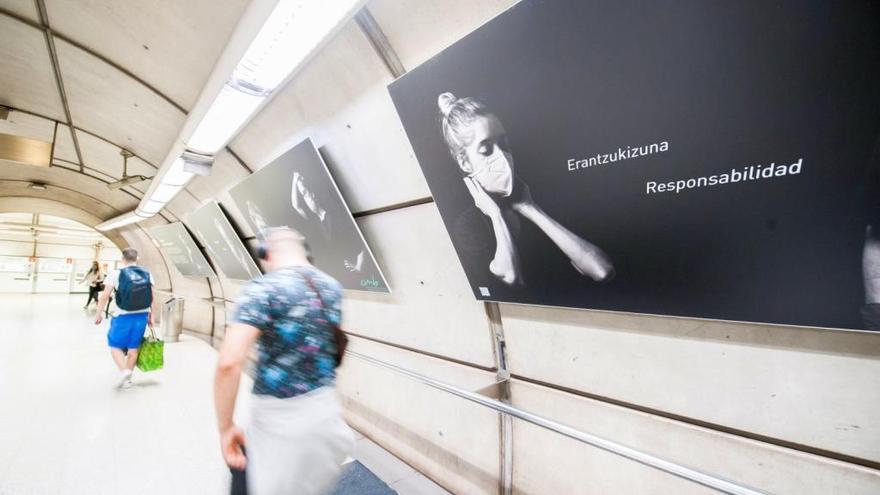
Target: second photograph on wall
296,190
222,242
178,245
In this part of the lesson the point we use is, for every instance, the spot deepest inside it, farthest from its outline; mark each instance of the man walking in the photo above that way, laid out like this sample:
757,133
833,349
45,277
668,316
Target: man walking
297,439
134,301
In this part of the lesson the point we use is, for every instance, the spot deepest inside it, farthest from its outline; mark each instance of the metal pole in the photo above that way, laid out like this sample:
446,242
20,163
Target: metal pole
649,460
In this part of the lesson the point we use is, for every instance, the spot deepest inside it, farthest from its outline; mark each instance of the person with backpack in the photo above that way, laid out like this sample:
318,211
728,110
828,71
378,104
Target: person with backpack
134,304
296,439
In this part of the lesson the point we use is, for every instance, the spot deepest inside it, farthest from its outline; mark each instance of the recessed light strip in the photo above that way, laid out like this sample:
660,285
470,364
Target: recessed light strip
279,38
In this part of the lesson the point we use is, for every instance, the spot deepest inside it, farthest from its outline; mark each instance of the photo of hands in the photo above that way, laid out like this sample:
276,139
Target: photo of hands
222,243
296,190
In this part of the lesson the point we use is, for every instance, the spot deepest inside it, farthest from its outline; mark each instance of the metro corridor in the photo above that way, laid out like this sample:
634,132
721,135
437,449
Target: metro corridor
67,429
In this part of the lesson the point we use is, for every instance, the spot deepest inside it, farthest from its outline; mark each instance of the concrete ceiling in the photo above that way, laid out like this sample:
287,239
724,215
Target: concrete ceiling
57,208
95,77
32,227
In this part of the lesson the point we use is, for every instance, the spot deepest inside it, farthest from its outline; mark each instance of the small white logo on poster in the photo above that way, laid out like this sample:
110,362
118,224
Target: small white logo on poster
484,291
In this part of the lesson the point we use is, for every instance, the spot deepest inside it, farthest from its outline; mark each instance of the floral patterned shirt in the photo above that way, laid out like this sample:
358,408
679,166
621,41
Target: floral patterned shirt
296,347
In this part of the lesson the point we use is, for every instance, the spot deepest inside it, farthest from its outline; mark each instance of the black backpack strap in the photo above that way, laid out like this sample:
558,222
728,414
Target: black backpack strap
338,335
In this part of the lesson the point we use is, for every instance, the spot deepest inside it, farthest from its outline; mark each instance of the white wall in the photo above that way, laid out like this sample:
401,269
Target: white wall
787,410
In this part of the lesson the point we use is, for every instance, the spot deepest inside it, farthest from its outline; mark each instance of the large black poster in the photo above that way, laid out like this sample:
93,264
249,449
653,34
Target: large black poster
695,158
296,190
211,226
174,240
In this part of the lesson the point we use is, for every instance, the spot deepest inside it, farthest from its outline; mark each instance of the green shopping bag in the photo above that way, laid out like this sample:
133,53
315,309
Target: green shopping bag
150,354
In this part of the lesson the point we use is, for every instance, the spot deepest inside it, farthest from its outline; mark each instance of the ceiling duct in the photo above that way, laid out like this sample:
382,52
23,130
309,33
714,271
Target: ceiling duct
126,180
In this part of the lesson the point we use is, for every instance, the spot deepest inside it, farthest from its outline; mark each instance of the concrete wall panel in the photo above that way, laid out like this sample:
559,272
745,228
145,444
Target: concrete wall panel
430,307
814,387
546,462
450,440
419,30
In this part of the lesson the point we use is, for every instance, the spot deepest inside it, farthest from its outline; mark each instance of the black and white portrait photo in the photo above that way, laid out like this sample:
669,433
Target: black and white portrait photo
691,158
478,144
213,229
296,190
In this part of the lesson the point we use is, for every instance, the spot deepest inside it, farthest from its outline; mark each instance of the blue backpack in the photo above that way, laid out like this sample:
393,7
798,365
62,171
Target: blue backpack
134,290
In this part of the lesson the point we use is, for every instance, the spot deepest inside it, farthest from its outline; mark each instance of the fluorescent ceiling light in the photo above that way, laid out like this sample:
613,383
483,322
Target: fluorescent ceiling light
120,221
290,34
176,175
230,110
164,193
151,207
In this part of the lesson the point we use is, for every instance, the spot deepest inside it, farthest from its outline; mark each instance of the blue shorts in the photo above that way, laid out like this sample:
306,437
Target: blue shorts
127,331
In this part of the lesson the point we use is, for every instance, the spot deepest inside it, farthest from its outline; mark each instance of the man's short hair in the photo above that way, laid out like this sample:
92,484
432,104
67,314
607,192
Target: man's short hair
130,255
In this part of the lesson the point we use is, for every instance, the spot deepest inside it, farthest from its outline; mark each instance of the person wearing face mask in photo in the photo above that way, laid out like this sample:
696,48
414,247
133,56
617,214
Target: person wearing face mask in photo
478,143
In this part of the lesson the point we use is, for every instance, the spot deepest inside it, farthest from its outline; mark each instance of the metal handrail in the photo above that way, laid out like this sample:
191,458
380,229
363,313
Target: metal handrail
690,474
684,472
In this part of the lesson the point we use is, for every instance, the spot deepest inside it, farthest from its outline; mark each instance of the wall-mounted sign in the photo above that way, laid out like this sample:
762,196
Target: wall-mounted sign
692,158
174,240
297,191
230,255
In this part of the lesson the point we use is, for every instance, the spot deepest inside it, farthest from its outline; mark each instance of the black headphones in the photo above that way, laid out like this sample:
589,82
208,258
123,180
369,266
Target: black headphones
262,248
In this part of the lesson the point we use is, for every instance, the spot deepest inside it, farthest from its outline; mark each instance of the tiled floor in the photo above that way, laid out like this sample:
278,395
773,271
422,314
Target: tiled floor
64,429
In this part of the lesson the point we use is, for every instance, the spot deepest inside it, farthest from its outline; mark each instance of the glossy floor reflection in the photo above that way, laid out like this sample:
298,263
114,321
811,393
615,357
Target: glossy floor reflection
65,429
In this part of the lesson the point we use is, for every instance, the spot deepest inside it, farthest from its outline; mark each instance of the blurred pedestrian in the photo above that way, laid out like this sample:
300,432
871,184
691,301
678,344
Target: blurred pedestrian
296,440
95,279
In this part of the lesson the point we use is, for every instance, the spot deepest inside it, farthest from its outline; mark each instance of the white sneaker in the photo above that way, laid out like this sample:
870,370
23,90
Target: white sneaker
124,376
127,384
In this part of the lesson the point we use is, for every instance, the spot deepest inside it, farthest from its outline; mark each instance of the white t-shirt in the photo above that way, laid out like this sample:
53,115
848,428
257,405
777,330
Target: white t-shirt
113,280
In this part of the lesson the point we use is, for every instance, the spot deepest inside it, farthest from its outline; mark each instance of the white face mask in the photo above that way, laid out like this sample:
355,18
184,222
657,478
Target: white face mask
496,174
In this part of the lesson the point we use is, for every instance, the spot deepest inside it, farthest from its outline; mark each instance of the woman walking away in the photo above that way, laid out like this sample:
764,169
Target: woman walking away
95,278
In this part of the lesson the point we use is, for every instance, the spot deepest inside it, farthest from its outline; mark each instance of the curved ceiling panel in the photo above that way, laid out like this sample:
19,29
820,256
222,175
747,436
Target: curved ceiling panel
69,179
107,102
170,44
19,189
27,79
59,209
28,126
106,158
26,9
64,149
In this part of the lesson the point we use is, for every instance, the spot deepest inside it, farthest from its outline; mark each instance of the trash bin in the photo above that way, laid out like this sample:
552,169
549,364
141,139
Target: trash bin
172,319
